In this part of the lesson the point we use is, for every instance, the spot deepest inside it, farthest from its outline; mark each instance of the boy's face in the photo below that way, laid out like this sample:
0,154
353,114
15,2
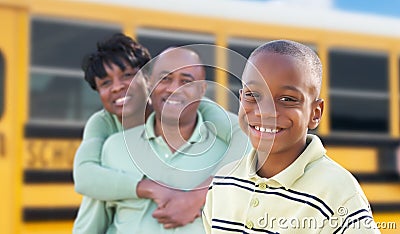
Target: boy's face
113,90
278,104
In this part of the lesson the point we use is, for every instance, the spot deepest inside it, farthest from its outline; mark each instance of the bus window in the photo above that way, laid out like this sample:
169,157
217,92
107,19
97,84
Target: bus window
236,62
358,91
58,92
2,84
157,40
61,97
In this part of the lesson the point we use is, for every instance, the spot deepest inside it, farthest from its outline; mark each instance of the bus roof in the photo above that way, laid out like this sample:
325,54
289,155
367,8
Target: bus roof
274,12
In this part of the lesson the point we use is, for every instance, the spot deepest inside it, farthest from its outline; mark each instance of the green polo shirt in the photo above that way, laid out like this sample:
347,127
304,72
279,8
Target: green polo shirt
158,144
139,152
312,195
101,183
95,181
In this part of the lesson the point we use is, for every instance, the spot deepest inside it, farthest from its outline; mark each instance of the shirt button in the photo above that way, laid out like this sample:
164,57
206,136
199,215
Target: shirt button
249,224
255,202
262,186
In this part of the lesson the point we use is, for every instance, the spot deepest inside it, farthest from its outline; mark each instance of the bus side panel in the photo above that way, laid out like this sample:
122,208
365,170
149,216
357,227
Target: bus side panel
12,55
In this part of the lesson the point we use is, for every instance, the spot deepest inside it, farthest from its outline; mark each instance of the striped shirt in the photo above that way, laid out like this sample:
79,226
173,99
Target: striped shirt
312,195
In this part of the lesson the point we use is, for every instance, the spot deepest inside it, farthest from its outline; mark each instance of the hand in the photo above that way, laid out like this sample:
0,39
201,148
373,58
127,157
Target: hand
182,209
160,194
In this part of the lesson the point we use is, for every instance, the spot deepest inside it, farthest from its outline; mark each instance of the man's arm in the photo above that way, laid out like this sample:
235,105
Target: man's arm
182,207
150,189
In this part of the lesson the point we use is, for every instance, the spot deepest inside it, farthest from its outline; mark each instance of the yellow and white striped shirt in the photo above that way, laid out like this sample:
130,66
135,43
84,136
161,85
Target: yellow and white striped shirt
312,195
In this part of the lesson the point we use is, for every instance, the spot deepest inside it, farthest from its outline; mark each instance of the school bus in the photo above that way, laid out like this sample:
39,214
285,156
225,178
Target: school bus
44,102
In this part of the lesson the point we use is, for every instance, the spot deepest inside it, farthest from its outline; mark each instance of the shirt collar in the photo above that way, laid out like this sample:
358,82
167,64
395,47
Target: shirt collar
149,127
289,175
199,134
118,124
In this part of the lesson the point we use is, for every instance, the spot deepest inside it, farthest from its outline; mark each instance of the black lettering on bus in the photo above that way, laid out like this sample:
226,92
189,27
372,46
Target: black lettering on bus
36,154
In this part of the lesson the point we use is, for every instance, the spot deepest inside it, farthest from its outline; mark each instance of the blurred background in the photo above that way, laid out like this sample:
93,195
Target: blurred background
44,101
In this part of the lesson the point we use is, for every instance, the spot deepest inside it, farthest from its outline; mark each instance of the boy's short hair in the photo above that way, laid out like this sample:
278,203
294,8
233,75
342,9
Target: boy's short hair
302,53
117,50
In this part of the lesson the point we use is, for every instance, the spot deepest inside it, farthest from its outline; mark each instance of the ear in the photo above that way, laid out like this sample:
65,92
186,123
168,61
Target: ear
149,84
203,87
316,114
240,94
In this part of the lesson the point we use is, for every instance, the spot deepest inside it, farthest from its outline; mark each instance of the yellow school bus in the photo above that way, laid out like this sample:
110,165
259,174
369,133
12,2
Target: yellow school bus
44,101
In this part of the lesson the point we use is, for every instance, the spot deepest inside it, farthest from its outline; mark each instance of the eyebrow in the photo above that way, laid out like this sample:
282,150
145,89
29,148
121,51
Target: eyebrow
255,84
249,83
285,87
289,87
185,74
164,73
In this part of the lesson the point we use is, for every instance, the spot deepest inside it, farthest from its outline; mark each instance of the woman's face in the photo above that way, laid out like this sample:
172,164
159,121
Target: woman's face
113,90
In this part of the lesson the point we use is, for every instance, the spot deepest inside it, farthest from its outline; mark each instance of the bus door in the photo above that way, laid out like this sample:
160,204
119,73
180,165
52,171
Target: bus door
10,116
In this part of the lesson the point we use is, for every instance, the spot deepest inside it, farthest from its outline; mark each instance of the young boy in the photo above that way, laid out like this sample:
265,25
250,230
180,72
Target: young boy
287,184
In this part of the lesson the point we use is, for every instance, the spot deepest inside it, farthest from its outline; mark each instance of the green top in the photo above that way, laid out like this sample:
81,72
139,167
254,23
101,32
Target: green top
150,155
89,176
102,183
95,181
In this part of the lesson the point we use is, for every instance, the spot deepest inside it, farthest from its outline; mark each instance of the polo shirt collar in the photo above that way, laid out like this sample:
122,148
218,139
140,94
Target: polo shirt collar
289,175
149,127
117,123
199,134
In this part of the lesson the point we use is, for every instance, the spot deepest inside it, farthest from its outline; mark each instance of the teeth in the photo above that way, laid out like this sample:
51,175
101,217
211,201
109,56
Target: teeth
122,100
172,102
268,130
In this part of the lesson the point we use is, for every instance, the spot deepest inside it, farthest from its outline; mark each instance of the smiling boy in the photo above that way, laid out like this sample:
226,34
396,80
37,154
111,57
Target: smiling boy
287,184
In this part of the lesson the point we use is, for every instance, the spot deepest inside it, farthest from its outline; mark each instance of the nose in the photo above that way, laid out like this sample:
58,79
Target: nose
266,109
173,86
117,86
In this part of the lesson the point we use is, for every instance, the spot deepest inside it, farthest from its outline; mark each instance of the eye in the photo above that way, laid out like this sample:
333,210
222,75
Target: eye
105,82
165,78
251,96
288,99
129,75
186,81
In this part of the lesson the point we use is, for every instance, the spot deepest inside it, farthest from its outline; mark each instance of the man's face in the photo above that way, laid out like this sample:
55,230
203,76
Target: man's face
178,84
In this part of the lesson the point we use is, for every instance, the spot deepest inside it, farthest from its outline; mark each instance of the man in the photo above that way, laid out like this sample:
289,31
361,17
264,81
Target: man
173,154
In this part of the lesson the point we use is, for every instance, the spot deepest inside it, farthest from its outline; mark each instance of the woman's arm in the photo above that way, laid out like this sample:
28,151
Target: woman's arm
90,178
224,123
